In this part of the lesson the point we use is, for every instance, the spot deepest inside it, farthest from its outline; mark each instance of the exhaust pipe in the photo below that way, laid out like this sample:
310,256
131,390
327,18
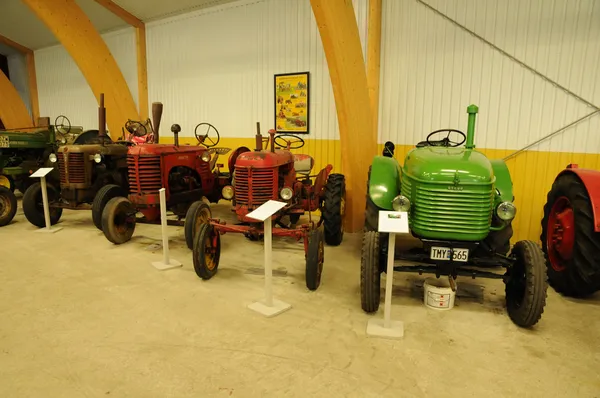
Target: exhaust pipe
272,134
102,119
175,129
258,138
157,110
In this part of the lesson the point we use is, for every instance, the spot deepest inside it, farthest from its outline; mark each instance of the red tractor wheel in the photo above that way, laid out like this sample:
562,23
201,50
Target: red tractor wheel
207,251
315,257
197,214
568,239
334,208
118,220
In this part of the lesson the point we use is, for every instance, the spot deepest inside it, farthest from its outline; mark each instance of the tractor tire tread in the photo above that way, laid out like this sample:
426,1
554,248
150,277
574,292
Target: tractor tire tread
12,202
370,272
101,199
335,190
30,209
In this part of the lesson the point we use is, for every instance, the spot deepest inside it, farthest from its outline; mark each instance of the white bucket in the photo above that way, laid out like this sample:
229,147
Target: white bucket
437,294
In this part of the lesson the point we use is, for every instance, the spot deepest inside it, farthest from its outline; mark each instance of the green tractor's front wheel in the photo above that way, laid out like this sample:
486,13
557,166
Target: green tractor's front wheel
8,206
370,272
526,284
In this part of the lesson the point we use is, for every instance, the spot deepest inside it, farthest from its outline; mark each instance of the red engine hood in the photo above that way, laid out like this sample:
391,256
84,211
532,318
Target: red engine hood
160,149
264,159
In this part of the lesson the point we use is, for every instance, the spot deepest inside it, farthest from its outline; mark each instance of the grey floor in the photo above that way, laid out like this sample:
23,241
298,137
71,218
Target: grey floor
80,317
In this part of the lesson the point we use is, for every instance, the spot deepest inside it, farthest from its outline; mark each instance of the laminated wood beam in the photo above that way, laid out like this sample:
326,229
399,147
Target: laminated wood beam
374,59
67,21
341,42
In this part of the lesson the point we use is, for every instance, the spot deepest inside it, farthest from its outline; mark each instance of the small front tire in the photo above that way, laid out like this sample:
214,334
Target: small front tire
370,272
207,251
33,206
198,213
334,207
102,197
526,284
118,220
314,259
8,206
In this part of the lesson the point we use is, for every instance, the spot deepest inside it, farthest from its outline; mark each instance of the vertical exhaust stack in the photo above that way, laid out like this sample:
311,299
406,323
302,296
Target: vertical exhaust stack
157,110
175,129
272,134
101,119
258,138
472,111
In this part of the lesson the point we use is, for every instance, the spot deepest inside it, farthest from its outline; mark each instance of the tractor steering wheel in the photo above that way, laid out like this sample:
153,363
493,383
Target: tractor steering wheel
61,127
136,128
289,144
202,138
446,142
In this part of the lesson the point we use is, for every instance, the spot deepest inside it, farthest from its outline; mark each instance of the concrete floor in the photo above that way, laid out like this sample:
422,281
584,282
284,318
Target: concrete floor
80,317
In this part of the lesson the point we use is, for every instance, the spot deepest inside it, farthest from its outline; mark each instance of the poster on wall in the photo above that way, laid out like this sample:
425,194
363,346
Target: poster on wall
291,103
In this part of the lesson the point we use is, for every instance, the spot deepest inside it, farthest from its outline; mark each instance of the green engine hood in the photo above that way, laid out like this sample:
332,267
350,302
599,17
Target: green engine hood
451,165
26,140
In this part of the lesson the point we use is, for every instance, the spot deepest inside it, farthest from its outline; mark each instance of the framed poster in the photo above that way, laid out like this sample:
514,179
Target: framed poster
291,103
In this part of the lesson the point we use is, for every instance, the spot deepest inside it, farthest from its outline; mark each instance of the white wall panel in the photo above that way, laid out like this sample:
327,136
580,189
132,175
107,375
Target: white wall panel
62,89
217,65
17,68
431,70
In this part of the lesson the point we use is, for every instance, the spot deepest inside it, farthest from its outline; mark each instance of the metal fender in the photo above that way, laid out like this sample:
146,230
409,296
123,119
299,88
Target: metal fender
503,183
591,181
384,182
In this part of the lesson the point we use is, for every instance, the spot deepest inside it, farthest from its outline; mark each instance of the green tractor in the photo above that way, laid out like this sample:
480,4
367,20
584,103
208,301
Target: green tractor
460,206
22,152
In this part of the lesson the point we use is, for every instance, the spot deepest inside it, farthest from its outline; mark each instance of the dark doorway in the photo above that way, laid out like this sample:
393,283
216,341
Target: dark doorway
4,65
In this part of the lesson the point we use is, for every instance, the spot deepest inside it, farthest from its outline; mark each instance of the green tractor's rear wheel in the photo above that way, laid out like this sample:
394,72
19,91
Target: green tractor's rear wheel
118,220
33,206
198,214
8,206
207,251
314,259
370,272
102,197
334,208
526,284
568,239
7,182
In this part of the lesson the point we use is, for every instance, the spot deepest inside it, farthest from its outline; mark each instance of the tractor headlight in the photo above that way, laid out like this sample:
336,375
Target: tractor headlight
52,158
97,158
286,193
205,156
227,192
401,203
506,211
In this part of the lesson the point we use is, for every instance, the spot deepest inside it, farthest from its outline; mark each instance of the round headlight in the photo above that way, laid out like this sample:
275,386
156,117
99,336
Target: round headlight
205,156
401,203
286,193
63,141
97,158
227,192
52,158
506,211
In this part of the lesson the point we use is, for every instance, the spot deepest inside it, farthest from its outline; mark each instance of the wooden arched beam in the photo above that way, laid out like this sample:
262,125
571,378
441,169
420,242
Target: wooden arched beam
13,112
67,21
341,41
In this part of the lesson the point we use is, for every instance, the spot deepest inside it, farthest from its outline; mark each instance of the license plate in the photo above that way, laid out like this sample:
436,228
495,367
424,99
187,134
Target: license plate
4,142
443,253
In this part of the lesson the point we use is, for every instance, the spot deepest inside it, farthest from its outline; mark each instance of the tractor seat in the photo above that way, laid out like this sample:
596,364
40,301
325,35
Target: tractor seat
303,163
214,155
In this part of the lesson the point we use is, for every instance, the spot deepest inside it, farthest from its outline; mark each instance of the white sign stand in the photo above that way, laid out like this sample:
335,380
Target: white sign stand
41,174
269,306
166,263
392,222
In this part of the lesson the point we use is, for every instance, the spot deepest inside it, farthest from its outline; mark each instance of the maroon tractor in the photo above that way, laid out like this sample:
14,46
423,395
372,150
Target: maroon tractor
571,232
278,174
191,176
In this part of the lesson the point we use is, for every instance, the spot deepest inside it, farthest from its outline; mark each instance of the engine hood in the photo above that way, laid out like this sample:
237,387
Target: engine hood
15,139
451,165
265,159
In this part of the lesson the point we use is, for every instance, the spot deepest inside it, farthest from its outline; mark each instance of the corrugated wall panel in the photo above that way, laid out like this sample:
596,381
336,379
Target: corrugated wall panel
217,65
63,90
432,69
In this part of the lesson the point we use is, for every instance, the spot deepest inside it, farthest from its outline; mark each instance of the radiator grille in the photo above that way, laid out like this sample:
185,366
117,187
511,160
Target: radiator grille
71,167
253,187
148,170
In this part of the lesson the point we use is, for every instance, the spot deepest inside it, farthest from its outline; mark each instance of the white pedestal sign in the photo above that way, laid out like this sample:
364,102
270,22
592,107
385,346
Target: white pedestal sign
268,306
41,174
391,222
166,263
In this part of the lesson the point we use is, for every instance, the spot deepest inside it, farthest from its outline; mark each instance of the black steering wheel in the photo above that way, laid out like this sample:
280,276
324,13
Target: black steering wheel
289,144
202,138
136,128
446,142
58,126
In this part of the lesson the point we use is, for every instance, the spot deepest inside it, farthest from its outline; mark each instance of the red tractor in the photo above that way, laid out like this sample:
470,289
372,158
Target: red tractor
278,174
190,175
571,232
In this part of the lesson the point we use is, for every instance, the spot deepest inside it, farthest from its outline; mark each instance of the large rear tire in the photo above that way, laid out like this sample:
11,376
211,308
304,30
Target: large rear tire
334,207
7,182
568,239
198,213
8,206
102,197
33,206
526,284
118,220
370,272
